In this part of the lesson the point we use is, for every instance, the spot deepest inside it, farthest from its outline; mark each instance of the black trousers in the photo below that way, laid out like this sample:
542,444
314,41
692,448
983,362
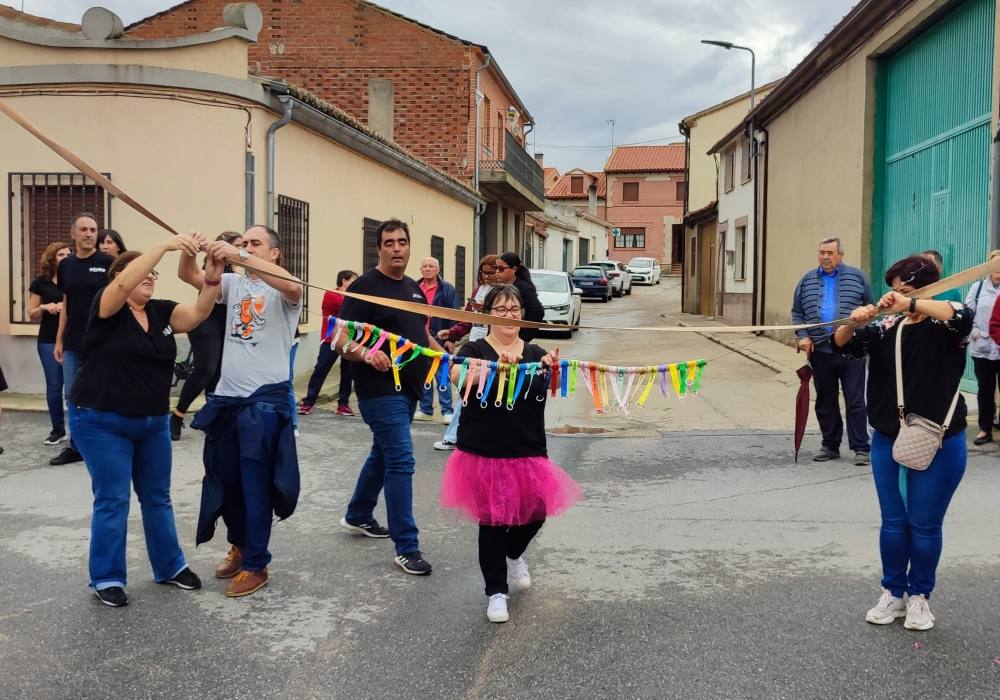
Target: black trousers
496,542
206,347
986,375
324,363
832,372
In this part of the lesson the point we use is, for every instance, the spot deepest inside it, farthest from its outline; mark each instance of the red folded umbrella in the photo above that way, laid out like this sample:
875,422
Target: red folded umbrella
802,406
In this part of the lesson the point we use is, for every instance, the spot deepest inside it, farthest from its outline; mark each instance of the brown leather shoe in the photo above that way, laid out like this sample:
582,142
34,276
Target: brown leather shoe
230,566
246,582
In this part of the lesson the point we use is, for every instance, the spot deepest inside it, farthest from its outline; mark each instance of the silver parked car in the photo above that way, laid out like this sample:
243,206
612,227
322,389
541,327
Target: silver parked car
644,270
560,299
621,279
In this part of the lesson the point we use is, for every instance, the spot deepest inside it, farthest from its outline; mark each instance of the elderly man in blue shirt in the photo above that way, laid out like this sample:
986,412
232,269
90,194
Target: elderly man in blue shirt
824,294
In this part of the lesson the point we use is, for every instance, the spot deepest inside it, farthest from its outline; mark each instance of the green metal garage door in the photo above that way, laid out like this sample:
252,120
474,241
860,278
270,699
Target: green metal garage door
932,168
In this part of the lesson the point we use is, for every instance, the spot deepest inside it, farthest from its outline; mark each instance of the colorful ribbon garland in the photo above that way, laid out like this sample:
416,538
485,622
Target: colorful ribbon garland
629,386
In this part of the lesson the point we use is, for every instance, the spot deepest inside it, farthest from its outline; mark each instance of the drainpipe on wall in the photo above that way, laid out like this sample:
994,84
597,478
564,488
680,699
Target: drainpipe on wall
995,192
755,146
762,227
287,104
480,208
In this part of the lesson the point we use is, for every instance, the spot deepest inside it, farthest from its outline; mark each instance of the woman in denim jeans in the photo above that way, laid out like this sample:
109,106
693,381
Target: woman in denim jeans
44,304
121,405
913,503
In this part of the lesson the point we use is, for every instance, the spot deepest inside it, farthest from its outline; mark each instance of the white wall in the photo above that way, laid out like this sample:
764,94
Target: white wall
734,205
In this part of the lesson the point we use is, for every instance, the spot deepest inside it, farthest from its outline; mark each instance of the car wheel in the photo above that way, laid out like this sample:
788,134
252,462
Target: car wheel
606,298
629,292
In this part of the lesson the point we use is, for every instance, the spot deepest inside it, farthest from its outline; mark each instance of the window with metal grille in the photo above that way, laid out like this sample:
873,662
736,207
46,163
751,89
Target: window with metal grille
369,244
631,238
293,229
460,272
437,251
41,211
630,191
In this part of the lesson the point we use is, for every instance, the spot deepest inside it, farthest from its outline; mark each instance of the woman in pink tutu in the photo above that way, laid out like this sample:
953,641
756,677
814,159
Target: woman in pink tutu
500,475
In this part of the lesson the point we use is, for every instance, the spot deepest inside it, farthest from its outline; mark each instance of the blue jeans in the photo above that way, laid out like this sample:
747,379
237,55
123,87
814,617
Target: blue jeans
911,531
451,433
444,398
123,451
291,388
53,385
70,366
389,466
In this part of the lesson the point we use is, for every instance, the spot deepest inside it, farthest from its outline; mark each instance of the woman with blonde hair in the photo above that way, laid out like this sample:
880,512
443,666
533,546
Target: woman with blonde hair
981,298
45,301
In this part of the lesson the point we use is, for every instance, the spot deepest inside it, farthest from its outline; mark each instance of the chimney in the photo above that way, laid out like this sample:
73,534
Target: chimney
592,199
540,159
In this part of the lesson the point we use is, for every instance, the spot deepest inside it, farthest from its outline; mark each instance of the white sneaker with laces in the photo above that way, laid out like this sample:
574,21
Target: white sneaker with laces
887,610
517,572
447,417
496,611
444,446
918,614
421,416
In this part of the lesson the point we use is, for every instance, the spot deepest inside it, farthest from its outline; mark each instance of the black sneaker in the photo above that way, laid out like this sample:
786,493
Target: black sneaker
186,579
55,437
862,459
176,426
413,563
369,529
113,597
67,456
825,455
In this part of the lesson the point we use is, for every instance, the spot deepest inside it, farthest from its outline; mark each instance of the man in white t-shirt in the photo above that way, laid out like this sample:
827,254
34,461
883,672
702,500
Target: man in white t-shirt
250,461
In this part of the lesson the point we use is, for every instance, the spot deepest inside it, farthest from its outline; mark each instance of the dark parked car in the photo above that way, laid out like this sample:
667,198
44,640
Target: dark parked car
593,281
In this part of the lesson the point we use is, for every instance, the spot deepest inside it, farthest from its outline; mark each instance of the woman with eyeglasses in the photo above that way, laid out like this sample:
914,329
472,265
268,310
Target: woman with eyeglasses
121,403
500,475
932,355
450,336
510,270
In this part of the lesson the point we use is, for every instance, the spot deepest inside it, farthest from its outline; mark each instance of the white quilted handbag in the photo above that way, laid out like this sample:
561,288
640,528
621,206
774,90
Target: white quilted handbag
919,439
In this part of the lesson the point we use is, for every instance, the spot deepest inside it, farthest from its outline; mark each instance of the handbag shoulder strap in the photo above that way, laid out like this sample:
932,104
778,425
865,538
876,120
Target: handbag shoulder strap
899,381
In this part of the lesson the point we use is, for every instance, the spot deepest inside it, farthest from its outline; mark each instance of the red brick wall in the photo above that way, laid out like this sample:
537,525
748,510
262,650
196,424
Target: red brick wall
333,48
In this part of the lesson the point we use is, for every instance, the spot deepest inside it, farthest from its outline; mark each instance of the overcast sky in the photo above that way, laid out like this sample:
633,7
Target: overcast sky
578,63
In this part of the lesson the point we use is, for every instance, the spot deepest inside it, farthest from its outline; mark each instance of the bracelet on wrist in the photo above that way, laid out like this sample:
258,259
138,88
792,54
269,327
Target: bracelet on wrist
913,305
213,283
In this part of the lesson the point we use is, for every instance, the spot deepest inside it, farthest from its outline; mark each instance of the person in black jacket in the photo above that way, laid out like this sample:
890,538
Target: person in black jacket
510,270
913,503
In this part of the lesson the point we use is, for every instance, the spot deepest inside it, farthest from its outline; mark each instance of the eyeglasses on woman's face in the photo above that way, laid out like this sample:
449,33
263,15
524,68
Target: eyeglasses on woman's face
487,270
513,310
501,268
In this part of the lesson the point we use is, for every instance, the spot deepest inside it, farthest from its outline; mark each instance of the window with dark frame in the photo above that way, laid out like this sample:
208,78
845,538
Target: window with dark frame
681,191
437,251
460,272
630,191
42,207
293,230
369,244
584,251
631,238
730,160
740,263
746,164
576,184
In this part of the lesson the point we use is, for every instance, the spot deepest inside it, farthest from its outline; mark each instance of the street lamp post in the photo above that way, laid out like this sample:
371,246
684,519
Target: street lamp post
728,46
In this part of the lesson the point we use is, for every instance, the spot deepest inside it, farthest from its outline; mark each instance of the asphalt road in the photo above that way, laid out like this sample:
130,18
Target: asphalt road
700,565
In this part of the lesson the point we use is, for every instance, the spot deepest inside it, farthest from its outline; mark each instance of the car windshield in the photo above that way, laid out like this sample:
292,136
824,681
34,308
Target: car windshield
549,283
605,265
587,272
640,263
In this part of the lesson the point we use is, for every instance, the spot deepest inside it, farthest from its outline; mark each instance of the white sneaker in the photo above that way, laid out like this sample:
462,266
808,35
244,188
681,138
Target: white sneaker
918,614
887,610
496,611
517,572
446,418
444,446
421,416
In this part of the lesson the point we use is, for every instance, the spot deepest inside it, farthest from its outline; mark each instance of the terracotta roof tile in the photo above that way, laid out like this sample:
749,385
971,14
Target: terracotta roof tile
561,190
646,159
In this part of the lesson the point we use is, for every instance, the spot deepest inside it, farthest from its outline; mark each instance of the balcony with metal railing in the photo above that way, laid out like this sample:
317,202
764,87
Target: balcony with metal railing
508,172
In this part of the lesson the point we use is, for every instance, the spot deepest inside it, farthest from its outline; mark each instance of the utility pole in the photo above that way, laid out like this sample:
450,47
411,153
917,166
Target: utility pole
612,123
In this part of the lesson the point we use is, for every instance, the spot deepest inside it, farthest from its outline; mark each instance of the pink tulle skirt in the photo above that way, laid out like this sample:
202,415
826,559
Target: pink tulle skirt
506,491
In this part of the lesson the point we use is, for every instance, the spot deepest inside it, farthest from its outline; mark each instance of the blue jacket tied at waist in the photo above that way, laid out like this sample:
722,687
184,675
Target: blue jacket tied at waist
807,303
232,426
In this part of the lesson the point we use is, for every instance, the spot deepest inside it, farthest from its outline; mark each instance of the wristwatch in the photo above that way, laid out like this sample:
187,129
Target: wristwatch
913,305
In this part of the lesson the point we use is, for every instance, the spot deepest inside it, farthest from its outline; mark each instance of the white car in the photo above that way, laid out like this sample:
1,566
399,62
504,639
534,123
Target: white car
559,298
621,279
644,270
